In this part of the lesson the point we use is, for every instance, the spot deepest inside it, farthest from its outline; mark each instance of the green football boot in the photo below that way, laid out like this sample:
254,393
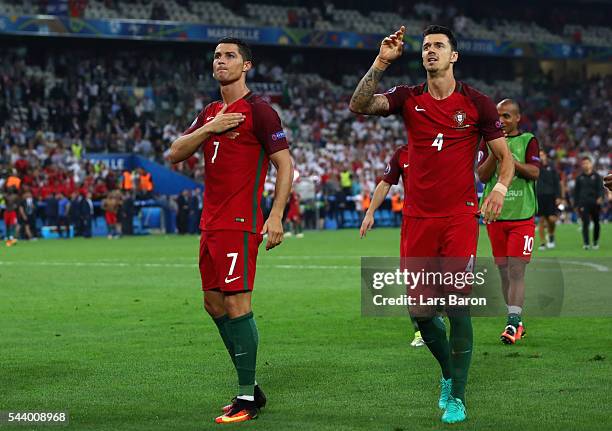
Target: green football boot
445,392
455,411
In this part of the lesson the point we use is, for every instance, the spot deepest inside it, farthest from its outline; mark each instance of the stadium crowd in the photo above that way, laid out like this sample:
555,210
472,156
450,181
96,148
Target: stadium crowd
56,107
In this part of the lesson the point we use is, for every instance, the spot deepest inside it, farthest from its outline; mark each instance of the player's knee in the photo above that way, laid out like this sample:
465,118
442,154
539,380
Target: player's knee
237,304
516,272
213,307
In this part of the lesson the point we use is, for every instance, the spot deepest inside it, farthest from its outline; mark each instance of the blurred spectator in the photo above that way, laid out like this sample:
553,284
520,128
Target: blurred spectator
63,221
87,214
194,212
111,206
11,205
74,213
182,214
397,205
26,216
51,210
127,213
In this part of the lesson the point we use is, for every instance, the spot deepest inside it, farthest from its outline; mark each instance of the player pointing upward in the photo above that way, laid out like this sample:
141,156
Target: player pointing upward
445,119
239,136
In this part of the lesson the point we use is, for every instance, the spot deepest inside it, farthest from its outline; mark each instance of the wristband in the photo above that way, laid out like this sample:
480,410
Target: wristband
499,187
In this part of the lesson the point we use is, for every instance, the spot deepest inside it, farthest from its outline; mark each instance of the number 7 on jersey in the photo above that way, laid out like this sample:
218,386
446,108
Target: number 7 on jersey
216,144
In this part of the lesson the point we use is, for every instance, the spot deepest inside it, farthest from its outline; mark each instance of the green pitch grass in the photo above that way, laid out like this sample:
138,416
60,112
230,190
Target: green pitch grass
114,333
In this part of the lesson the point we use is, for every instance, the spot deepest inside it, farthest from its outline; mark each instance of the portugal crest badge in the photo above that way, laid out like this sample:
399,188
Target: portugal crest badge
460,118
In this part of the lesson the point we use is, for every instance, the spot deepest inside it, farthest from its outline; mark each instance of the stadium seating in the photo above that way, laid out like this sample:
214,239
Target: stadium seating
306,16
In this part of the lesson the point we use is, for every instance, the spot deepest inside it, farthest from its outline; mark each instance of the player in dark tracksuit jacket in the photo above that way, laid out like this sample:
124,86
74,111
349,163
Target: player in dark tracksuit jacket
588,197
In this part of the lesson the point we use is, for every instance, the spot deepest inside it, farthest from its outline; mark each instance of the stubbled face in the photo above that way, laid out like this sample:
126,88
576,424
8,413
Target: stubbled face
509,117
228,64
587,166
437,53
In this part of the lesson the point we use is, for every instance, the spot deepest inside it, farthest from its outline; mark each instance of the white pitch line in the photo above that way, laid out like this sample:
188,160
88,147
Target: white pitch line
262,256
600,268
165,265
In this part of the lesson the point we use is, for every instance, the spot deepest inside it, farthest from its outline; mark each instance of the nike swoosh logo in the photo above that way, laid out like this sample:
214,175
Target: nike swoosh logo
416,108
209,118
231,279
240,354
406,165
459,353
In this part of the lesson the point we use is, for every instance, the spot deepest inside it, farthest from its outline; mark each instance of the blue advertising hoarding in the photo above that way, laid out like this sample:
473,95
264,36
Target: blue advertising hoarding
48,25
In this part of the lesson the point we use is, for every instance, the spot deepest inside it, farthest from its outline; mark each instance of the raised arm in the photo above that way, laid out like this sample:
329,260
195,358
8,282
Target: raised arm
364,101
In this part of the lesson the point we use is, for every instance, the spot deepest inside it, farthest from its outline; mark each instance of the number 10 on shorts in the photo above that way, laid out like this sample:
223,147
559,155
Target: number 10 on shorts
528,247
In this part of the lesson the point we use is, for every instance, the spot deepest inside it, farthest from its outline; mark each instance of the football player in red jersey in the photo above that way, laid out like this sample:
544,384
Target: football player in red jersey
239,136
444,119
396,168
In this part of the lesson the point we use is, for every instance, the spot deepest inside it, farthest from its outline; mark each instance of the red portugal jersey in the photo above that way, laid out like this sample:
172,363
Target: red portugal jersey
236,163
443,138
396,168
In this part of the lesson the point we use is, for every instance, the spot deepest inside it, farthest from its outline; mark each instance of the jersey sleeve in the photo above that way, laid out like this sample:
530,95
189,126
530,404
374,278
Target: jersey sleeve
532,154
392,171
488,118
396,97
197,123
268,129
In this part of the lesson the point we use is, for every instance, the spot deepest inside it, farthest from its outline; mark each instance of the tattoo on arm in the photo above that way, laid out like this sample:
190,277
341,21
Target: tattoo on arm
364,100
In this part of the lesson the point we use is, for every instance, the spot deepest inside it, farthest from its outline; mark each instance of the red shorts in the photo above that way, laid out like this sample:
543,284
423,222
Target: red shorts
511,239
228,260
111,218
294,216
10,218
451,242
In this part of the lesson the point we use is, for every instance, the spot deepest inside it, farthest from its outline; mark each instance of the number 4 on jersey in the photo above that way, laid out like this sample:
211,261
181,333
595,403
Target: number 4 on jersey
438,141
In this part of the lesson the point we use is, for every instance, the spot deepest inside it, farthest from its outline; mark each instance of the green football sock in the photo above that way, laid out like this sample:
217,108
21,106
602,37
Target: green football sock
461,342
223,326
433,333
514,319
245,339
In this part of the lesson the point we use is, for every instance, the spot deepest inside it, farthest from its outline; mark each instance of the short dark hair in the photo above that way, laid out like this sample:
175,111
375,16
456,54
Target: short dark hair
243,48
439,29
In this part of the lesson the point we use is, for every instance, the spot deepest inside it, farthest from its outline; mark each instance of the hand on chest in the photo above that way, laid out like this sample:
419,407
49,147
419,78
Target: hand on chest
227,144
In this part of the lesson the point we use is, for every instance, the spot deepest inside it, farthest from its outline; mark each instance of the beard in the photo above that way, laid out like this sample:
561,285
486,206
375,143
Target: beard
437,68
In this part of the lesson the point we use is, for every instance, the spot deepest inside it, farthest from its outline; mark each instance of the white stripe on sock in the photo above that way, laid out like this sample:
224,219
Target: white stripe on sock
246,397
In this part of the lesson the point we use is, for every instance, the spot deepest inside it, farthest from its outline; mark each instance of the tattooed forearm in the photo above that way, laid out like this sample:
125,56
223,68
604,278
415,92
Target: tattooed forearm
363,100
